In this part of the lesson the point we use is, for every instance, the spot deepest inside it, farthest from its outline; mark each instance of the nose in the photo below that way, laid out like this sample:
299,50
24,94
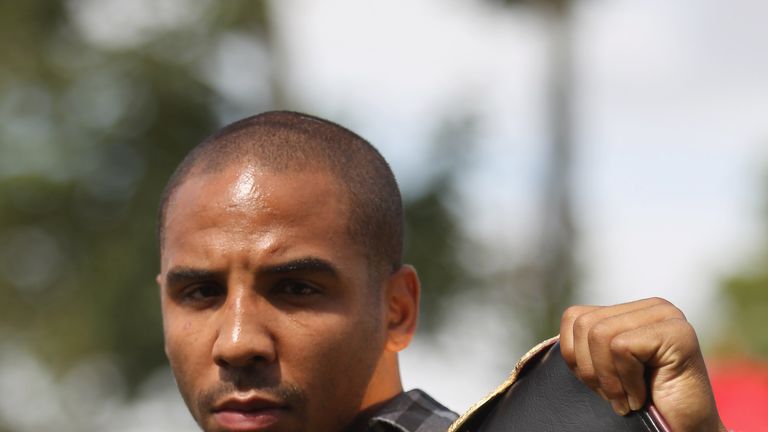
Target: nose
243,338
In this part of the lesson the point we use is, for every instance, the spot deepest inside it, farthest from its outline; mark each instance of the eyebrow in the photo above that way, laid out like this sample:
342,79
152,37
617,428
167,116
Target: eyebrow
182,275
306,264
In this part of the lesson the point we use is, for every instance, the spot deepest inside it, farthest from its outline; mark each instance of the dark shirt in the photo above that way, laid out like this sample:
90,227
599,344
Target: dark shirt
413,411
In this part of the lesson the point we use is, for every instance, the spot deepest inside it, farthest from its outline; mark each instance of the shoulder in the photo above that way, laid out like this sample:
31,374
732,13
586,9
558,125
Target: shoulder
413,411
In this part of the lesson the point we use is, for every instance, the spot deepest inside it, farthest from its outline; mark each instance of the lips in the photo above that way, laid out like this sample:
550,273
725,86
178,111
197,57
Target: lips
248,414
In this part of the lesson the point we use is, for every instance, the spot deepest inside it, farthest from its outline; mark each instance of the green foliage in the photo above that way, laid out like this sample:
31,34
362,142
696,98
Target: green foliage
433,232
433,239
748,298
91,131
89,136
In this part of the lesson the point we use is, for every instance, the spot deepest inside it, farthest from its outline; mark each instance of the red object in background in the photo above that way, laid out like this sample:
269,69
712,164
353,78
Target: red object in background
741,393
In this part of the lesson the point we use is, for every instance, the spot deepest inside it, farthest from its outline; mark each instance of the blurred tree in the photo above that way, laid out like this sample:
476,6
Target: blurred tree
542,287
434,238
99,101
746,296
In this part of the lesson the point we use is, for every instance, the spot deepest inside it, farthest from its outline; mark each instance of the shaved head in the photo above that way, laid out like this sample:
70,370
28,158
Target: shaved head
285,142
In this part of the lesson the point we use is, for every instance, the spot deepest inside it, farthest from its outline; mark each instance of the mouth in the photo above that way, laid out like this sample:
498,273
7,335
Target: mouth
248,414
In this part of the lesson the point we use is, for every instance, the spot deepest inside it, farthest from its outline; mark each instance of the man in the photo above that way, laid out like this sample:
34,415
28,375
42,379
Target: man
285,300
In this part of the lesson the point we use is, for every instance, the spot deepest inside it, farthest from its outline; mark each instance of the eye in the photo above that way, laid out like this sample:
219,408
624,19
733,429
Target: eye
201,293
295,288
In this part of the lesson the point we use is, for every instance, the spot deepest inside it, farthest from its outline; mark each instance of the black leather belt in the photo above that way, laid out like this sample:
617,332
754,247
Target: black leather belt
543,395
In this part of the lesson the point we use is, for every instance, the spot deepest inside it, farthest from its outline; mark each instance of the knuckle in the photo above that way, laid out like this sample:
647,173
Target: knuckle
572,312
675,312
688,336
682,336
582,324
670,310
659,301
680,325
599,333
620,347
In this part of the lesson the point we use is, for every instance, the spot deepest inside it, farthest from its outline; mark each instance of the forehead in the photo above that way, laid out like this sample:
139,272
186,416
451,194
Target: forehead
247,203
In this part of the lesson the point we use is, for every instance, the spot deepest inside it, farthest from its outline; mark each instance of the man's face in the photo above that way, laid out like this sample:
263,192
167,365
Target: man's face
270,319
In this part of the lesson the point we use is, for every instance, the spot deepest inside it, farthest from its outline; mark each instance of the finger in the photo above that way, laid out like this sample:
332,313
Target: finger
619,373
583,325
594,332
678,384
566,332
629,369
584,367
664,344
605,377
575,326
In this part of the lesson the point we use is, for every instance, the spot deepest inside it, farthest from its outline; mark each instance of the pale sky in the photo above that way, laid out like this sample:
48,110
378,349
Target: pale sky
671,114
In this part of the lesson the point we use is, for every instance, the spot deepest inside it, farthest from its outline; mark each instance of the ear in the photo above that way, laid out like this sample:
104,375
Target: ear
403,290
159,280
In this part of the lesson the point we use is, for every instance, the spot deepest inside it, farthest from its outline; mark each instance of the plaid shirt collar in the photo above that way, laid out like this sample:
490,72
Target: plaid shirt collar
413,411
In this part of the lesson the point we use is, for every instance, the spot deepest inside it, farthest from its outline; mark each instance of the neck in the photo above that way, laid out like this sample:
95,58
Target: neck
385,384
360,423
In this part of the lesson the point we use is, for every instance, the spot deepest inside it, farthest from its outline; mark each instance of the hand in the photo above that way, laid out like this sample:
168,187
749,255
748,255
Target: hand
623,351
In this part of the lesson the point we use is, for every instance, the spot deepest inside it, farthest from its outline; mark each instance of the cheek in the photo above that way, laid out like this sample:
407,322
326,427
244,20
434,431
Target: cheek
185,343
180,341
186,354
342,336
336,362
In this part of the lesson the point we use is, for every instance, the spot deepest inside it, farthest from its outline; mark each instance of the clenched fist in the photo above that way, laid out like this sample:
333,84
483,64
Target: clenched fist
645,349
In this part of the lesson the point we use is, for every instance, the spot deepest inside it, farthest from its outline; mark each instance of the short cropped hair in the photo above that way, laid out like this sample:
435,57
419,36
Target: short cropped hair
288,141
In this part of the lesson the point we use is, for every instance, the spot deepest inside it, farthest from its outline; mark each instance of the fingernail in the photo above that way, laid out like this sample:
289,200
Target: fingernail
634,403
620,407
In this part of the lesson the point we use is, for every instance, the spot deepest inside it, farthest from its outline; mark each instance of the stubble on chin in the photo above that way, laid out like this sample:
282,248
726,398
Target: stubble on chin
201,405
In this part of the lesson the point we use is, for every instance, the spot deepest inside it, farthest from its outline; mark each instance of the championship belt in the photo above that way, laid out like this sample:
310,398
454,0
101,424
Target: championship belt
543,395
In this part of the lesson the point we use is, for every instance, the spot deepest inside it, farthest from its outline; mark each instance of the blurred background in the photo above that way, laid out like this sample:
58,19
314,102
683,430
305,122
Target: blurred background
549,152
